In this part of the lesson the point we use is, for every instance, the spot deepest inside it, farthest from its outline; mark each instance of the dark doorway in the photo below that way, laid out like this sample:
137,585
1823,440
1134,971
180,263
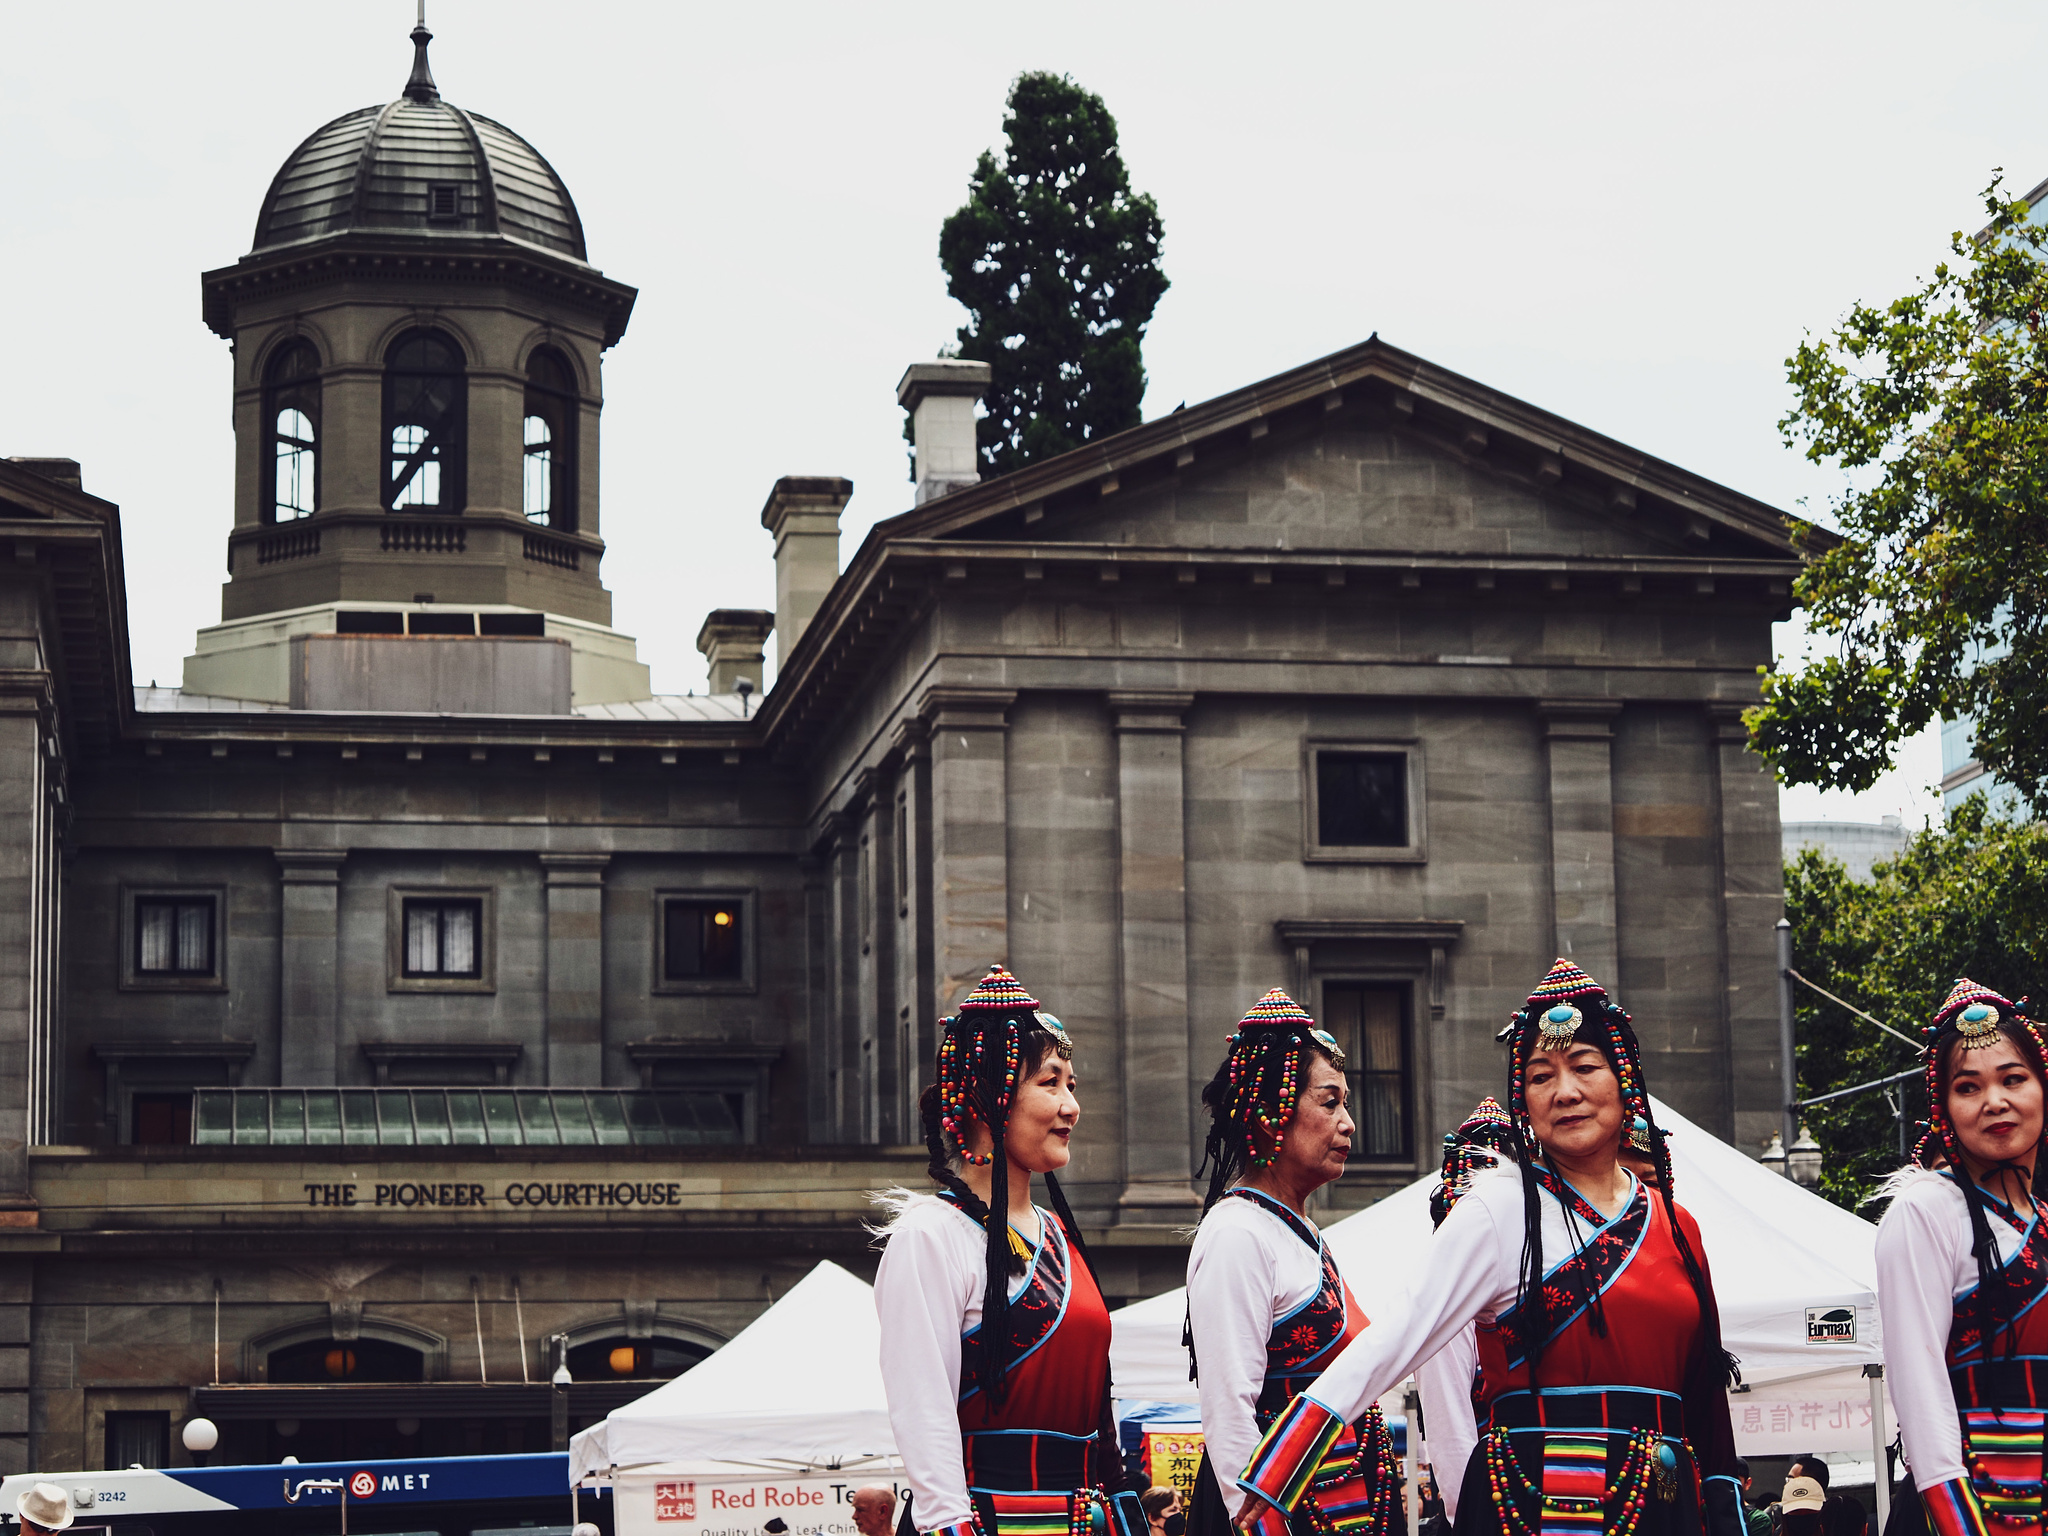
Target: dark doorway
161,1120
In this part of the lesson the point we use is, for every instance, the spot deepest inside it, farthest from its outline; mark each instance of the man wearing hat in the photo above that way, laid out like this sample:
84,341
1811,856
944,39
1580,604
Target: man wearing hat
1801,1504
43,1509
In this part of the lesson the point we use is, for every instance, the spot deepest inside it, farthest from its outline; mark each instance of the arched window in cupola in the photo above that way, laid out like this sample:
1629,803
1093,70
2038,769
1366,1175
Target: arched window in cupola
550,440
291,410
425,410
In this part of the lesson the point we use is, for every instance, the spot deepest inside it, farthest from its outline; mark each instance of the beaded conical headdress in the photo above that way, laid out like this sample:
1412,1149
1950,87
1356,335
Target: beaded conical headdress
1483,1141
1264,1082
1560,1007
991,1019
1971,1014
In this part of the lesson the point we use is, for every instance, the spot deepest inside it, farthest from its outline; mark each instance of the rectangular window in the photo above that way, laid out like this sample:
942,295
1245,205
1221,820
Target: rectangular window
701,941
1362,799
441,938
138,1440
162,1119
174,936
1371,1024
1363,802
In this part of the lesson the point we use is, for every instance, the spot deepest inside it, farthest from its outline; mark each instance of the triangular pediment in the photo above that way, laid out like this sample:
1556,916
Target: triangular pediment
1372,450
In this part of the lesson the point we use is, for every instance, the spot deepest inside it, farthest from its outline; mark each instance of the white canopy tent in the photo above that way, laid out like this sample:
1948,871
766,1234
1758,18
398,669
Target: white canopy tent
1778,1254
799,1387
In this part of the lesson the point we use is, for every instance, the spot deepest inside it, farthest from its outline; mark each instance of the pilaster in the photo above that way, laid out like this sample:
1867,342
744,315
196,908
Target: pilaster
575,1030
308,965
1152,954
1752,901
1579,742
970,879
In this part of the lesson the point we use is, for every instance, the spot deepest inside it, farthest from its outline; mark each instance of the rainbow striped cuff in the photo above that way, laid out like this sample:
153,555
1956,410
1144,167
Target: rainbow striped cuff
1953,1509
968,1527
1287,1458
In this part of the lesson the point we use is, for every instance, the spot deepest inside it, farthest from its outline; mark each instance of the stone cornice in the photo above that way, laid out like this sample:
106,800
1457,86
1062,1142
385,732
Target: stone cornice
355,258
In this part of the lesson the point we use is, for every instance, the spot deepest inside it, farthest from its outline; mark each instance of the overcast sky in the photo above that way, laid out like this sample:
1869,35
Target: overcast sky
1623,213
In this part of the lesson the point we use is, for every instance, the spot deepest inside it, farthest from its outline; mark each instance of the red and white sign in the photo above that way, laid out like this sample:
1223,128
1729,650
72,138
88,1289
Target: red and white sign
675,1501
363,1484
703,1504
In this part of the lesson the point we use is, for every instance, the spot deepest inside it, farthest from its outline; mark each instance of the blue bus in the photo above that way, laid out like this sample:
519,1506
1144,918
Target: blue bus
442,1496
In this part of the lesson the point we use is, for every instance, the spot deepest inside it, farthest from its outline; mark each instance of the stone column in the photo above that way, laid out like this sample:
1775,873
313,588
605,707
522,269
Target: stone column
1752,901
575,1042
970,865
1152,956
308,964
1580,738
916,984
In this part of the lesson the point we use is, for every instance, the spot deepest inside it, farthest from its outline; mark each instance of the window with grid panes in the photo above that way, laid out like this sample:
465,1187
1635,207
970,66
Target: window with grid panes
443,938
174,936
1371,1024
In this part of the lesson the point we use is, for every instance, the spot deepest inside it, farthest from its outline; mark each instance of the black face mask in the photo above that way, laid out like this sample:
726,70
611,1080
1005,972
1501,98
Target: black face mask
1175,1524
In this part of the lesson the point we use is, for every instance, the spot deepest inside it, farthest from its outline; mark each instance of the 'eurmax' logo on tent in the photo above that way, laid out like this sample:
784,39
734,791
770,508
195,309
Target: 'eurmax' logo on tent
675,1501
1831,1325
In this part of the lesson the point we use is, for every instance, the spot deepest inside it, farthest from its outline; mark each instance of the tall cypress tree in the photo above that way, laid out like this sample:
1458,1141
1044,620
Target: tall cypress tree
1057,262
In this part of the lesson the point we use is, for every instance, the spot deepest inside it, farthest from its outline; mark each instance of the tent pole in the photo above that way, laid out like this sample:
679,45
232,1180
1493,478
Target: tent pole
1877,1444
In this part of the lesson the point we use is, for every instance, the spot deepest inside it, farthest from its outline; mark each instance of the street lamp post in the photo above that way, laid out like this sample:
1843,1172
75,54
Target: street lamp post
1803,1160
1788,1065
1774,1155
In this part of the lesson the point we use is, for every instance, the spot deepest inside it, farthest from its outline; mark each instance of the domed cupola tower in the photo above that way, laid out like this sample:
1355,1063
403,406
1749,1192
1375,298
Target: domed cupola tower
418,338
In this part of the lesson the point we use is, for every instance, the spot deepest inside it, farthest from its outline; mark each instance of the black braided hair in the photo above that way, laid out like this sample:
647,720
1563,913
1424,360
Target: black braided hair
986,1051
1266,1063
1608,1028
1967,1017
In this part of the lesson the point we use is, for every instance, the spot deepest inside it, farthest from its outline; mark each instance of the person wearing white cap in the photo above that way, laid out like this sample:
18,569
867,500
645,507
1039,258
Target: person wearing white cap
44,1508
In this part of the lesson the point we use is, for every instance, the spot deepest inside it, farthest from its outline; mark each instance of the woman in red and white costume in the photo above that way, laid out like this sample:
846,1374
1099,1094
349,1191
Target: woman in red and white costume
995,1338
1598,1333
1267,1307
1448,1383
1962,1265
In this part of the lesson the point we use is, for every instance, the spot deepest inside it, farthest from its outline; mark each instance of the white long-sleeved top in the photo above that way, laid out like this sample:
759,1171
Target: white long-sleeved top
1924,1263
1469,1272
928,1292
1247,1270
1444,1382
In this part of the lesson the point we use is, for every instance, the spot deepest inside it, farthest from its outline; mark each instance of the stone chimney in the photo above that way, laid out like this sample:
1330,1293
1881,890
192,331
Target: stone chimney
940,397
731,641
803,514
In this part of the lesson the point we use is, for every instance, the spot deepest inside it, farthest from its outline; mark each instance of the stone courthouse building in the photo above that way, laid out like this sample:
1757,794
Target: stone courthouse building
412,998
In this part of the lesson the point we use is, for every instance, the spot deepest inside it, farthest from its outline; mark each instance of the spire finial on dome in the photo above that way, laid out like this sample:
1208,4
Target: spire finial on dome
420,86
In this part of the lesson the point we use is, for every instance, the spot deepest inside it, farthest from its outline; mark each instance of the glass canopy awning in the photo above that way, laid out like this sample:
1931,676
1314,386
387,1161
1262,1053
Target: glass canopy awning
463,1117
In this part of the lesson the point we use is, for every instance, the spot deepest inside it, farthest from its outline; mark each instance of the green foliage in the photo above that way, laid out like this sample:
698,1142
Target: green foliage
1936,406
1970,899
1057,263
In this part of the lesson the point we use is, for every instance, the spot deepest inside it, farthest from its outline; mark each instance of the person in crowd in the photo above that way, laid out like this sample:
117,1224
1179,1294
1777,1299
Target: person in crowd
1809,1465
874,1509
1453,1393
1757,1516
995,1338
1962,1262
1267,1307
1598,1331
44,1508
1844,1515
1163,1512
1800,1506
